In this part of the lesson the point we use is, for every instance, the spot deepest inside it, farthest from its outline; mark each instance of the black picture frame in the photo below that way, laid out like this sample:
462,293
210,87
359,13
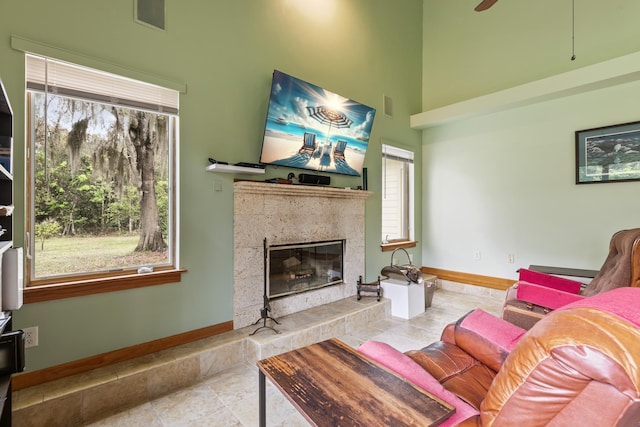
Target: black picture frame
608,154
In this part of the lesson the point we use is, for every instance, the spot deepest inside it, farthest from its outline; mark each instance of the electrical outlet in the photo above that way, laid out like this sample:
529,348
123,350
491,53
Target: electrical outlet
30,337
510,258
477,256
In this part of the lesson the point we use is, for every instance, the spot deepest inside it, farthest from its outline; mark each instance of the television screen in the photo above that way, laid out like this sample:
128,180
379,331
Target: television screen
311,128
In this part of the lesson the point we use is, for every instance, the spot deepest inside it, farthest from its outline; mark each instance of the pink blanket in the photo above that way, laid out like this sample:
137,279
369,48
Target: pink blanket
622,302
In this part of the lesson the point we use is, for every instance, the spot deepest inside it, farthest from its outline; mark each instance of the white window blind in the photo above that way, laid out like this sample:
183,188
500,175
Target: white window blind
397,176
391,152
62,78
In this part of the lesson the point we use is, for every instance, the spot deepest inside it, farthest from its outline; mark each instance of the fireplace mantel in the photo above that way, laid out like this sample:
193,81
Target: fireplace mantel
298,190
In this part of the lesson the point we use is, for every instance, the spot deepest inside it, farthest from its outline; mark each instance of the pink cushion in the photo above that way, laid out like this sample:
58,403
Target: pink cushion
404,366
549,281
493,329
544,296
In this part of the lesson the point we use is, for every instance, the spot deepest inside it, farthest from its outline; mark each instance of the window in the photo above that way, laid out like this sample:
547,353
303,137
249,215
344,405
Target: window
101,174
397,197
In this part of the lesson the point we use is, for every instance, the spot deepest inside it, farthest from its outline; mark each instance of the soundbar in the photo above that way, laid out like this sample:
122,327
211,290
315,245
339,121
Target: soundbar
305,178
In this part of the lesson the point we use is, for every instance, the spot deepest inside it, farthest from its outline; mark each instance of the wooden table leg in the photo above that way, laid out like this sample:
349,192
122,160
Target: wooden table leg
261,399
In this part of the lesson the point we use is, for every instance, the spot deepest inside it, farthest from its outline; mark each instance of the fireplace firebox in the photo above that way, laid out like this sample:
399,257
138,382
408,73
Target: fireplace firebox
300,267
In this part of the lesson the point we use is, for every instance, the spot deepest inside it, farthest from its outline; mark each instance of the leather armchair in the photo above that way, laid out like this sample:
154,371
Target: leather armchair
580,365
536,294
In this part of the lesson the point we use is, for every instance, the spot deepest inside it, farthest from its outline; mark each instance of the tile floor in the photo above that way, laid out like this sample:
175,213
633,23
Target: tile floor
230,398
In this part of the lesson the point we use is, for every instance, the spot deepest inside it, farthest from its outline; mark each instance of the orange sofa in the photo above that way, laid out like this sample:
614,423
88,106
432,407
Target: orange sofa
578,366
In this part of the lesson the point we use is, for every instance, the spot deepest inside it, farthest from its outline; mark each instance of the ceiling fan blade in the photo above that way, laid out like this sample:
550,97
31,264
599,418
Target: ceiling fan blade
486,4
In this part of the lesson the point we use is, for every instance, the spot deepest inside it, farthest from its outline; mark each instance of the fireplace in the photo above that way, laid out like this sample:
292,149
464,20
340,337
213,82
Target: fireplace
302,267
286,215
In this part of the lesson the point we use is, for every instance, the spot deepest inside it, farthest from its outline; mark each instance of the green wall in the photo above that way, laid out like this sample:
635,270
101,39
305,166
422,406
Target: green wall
504,183
468,54
224,51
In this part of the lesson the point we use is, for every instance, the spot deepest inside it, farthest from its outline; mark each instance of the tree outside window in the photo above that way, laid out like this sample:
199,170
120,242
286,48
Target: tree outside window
100,201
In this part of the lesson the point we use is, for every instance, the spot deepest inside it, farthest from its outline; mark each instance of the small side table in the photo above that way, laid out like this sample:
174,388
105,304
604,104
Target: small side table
407,300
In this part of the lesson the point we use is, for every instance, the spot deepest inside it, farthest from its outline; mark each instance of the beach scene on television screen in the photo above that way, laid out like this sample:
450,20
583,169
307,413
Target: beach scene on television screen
312,128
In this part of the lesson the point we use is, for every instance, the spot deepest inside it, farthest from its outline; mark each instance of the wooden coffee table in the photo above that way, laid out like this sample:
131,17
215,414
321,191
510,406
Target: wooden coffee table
331,384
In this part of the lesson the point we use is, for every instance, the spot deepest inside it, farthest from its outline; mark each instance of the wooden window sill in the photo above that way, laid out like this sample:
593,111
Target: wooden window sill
391,246
50,292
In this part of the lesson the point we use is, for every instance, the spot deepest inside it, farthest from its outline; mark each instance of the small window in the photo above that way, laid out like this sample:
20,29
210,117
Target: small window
101,174
397,195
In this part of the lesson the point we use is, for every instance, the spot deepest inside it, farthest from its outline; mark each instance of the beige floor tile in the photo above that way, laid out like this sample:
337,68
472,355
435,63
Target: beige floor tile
188,405
60,412
142,415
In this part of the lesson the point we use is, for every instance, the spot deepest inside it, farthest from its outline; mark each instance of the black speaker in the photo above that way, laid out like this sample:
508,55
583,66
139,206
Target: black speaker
306,178
365,181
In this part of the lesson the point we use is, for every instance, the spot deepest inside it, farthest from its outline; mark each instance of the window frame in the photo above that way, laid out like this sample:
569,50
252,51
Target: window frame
46,289
406,156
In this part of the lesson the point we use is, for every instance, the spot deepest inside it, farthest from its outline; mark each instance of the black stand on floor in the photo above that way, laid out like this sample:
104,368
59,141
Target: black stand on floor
266,308
264,315
371,287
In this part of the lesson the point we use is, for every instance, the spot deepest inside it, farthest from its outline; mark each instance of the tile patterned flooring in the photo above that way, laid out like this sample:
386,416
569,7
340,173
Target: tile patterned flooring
230,398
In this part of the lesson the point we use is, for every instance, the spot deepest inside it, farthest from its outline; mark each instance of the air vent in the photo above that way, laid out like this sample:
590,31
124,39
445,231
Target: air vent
388,106
151,12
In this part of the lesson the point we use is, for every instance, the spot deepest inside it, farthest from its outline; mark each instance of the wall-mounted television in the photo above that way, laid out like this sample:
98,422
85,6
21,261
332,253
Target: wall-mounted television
312,128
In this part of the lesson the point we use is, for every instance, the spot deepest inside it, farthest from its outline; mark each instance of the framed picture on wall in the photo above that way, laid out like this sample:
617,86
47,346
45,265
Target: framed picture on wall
608,154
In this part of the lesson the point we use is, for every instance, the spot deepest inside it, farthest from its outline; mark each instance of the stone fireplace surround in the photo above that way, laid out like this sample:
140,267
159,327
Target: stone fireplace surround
285,214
